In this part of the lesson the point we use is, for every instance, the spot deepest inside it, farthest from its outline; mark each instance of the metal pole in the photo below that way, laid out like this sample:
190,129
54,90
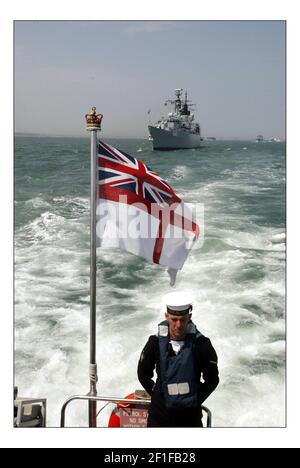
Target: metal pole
116,400
93,125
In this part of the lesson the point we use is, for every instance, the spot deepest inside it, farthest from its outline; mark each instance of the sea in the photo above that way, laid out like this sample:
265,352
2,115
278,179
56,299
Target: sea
236,275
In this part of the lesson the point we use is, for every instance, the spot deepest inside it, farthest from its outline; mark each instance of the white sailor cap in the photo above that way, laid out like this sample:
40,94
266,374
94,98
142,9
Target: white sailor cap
178,303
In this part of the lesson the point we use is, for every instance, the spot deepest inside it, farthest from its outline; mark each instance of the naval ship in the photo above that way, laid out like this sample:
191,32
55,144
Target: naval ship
178,130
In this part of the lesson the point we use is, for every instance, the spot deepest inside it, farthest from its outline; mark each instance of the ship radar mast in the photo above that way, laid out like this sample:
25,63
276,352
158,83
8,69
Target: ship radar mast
177,101
178,93
182,107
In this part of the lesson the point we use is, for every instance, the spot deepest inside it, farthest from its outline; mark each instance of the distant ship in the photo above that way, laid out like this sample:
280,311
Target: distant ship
259,138
274,140
178,130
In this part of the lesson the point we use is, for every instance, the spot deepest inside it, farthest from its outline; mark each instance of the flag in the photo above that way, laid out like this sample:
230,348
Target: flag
139,212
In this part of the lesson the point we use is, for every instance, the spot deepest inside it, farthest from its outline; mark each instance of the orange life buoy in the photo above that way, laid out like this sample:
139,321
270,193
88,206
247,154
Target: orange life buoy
114,420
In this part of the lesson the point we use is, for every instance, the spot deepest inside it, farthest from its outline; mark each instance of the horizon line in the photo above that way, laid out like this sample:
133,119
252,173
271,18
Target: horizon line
56,135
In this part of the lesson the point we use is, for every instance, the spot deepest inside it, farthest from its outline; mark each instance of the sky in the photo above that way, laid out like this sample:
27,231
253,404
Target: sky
234,71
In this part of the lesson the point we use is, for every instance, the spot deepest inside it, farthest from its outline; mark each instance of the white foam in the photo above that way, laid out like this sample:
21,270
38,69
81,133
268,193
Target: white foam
37,202
179,172
239,303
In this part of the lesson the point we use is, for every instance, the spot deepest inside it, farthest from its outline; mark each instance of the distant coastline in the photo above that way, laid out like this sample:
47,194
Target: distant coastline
44,135
83,135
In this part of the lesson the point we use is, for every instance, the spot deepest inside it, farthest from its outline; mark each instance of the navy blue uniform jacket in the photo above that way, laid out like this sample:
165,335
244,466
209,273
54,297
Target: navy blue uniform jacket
207,375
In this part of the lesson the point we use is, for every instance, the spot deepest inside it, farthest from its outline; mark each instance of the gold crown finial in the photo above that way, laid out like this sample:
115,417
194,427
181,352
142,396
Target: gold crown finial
93,119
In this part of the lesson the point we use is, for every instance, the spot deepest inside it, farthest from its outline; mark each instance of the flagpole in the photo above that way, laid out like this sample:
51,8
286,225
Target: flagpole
93,121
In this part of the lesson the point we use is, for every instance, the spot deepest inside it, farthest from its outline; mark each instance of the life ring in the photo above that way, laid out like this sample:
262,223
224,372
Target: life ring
114,420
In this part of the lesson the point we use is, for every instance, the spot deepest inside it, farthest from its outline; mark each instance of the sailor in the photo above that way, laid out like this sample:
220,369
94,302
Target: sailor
186,365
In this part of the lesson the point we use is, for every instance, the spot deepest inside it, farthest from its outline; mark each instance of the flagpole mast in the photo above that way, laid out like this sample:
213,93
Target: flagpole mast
93,121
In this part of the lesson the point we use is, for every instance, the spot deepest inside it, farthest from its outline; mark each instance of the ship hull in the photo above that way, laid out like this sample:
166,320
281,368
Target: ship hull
165,140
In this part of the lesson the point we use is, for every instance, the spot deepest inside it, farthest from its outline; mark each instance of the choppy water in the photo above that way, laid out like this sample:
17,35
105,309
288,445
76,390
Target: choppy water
237,277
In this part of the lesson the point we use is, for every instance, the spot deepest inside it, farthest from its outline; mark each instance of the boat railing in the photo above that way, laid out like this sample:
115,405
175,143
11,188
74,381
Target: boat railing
115,400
